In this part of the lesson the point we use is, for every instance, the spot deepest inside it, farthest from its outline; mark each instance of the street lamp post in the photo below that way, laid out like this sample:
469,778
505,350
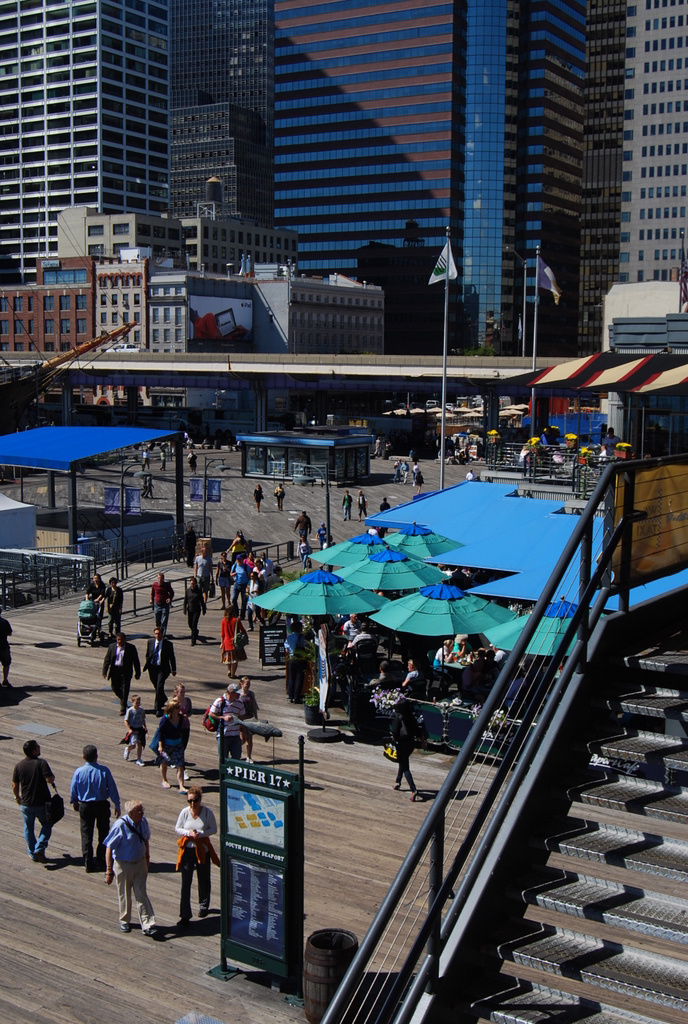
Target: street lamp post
223,469
302,474
524,263
126,466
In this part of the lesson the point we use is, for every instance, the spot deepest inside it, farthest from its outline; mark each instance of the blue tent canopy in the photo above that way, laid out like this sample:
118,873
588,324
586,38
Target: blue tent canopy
59,448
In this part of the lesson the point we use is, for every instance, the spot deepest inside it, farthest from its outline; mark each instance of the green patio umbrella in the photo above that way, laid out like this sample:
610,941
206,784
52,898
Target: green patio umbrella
441,610
349,551
320,593
392,570
421,541
548,633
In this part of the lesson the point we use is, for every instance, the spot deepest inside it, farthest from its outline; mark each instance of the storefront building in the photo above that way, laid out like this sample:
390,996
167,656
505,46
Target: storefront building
343,454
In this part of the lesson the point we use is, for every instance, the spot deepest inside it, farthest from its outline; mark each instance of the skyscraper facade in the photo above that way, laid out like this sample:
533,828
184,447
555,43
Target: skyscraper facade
369,146
654,174
395,120
222,105
83,115
606,136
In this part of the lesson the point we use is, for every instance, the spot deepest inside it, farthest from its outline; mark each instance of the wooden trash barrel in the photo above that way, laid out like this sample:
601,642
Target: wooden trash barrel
328,955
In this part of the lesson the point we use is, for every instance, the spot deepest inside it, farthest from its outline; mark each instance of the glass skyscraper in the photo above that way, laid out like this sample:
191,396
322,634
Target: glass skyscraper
396,120
222,105
83,116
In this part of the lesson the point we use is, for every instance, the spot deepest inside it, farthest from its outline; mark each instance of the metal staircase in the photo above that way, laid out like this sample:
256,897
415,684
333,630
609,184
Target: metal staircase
548,886
595,928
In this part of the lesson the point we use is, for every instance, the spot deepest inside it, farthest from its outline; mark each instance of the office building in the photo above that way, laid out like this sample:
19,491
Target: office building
83,98
221,106
395,120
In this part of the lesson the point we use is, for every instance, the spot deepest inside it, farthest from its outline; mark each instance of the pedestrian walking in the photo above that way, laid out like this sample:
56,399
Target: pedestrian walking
223,579
419,481
120,664
135,720
190,545
127,858
240,579
230,708
160,662
147,486
303,525
161,596
279,496
163,458
203,570
362,506
30,781
347,502
195,824
321,534
404,470
404,731
397,472
250,711
114,602
170,747
194,607
232,650
192,459
5,653
258,496
91,791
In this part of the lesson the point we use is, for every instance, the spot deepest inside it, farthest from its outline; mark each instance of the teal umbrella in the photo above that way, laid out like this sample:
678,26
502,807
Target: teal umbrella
350,551
392,570
548,633
441,610
320,593
421,541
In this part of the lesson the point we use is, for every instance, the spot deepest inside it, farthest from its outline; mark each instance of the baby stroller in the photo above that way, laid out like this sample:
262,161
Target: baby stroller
88,624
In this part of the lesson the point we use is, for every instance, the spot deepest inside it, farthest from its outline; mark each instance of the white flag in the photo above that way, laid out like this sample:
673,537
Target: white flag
440,272
546,280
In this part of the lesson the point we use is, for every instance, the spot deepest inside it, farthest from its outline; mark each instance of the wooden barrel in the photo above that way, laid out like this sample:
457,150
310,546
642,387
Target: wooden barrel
328,955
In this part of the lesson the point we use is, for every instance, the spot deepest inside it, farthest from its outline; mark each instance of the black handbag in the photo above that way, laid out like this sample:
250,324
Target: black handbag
54,809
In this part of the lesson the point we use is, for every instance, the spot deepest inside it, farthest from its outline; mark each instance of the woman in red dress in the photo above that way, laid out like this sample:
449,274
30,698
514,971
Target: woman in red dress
230,629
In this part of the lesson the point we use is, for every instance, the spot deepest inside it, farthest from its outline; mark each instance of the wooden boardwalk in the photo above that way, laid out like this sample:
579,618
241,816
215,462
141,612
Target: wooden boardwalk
65,961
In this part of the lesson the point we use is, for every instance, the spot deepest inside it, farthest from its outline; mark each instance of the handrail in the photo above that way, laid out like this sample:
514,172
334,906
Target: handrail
534,722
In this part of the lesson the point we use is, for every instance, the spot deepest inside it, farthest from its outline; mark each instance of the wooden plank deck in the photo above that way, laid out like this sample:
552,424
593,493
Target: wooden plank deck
65,961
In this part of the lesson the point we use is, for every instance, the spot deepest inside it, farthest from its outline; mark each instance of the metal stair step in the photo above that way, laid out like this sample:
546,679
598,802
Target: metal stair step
668,704
611,903
670,655
622,847
529,1003
643,746
637,796
606,965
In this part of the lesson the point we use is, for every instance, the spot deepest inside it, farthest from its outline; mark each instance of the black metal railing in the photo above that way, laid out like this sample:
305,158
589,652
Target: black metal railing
397,964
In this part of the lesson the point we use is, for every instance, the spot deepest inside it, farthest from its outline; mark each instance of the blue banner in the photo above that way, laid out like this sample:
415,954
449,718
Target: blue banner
111,502
196,488
132,501
214,490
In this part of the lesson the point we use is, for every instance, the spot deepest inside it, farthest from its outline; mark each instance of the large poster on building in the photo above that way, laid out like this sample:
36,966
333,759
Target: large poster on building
213,318
658,543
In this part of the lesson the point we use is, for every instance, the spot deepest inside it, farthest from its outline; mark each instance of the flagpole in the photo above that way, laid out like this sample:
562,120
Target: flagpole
535,329
443,418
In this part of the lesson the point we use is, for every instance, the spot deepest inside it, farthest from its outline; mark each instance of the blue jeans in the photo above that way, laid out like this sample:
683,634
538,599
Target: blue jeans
29,814
228,746
162,614
240,591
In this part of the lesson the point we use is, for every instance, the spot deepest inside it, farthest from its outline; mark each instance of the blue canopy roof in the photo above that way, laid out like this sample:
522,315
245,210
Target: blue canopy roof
59,448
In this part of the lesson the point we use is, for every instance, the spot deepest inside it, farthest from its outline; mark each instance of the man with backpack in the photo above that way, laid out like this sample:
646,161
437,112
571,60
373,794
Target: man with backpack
228,710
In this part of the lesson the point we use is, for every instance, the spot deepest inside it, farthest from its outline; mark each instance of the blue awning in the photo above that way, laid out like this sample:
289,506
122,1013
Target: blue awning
59,448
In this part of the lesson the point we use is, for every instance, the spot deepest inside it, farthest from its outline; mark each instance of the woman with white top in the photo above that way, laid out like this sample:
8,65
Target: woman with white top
194,825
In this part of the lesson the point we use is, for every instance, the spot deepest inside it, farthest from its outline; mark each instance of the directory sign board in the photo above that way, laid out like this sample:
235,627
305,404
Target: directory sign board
272,644
261,828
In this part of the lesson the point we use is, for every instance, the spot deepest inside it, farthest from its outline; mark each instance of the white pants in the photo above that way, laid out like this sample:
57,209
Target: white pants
132,874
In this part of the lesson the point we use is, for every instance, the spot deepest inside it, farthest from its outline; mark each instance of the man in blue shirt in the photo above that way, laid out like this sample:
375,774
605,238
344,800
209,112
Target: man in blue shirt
127,857
92,787
240,577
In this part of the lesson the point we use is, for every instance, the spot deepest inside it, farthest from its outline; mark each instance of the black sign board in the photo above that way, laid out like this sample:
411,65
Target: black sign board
261,828
272,644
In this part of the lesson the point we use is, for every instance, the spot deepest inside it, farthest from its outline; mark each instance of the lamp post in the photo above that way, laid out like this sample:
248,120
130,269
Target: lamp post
524,263
126,466
223,469
302,474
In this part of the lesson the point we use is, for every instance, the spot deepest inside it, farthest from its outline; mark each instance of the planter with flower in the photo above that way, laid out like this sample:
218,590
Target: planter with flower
493,436
311,706
622,450
571,441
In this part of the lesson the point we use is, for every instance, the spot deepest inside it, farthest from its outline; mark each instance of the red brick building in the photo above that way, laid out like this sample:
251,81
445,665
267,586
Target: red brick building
55,314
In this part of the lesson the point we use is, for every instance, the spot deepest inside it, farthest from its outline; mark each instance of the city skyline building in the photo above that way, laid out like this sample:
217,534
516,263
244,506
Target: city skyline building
83,91
222,106
395,120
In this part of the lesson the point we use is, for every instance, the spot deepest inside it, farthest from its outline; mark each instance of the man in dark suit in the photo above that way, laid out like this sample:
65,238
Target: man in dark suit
121,663
160,662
